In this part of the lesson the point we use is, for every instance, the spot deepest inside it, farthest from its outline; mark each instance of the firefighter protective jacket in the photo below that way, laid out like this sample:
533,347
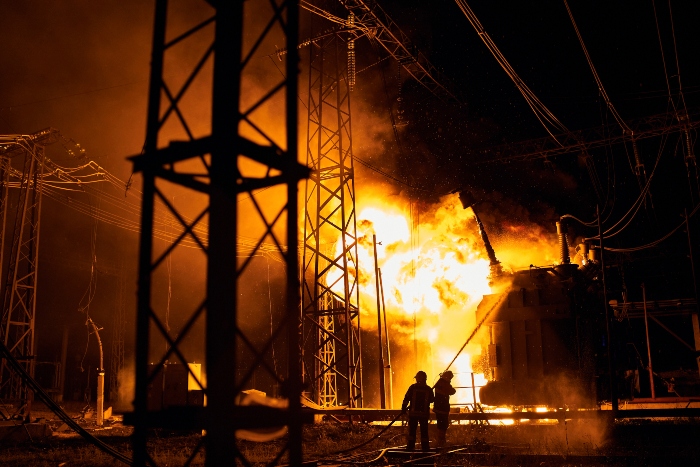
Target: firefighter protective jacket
417,400
443,391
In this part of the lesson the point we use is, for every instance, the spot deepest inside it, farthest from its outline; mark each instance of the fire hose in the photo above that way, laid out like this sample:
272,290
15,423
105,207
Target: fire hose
476,329
55,408
369,440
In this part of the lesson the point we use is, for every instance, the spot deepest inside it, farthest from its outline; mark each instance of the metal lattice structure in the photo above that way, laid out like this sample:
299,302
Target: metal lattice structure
330,293
581,142
19,292
372,19
241,154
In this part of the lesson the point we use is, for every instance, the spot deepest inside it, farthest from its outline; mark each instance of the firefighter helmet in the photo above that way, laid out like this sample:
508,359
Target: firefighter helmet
421,376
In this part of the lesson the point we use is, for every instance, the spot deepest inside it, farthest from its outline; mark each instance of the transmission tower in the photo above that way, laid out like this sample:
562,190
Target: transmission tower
237,159
330,293
19,291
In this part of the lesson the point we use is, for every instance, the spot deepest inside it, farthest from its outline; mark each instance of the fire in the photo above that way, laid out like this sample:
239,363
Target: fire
434,271
434,274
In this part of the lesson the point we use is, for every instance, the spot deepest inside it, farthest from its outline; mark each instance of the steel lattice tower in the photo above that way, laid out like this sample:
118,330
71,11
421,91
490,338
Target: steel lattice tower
19,292
330,293
241,155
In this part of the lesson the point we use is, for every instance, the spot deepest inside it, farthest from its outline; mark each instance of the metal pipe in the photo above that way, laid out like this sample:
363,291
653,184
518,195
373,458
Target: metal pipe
386,338
646,328
382,394
613,376
100,377
473,391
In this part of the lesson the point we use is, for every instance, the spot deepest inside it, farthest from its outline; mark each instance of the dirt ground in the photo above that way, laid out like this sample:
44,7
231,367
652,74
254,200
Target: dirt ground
665,442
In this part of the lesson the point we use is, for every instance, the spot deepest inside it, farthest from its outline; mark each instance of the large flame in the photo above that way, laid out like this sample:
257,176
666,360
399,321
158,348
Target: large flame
434,272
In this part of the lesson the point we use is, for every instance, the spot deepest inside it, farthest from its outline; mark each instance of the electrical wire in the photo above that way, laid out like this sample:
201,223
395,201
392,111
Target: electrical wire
39,393
323,13
663,58
634,209
598,81
269,301
342,451
545,116
79,179
89,294
655,242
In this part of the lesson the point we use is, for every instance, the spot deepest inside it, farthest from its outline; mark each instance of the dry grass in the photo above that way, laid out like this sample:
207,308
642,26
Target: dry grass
322,441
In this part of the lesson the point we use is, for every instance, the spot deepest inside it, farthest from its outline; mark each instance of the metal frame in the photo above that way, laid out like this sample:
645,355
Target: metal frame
330,293
19,292
370,16
221,178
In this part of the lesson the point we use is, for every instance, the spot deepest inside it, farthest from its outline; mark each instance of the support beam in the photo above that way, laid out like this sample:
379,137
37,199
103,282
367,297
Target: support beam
217,171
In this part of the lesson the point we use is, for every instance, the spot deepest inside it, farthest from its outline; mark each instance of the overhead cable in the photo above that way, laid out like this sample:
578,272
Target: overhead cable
39,392
655,242
598,81
548,120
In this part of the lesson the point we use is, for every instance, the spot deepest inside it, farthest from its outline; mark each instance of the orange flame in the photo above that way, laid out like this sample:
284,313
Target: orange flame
434,274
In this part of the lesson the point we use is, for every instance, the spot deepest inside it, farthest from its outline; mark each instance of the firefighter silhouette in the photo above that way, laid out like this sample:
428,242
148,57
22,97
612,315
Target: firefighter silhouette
441,407
417,402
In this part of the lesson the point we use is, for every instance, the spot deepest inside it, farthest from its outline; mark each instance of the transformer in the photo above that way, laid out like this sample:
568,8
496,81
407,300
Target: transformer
539,345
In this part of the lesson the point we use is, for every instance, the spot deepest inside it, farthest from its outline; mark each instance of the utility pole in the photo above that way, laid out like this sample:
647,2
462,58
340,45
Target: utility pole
608,327
100,376
382,391
388,349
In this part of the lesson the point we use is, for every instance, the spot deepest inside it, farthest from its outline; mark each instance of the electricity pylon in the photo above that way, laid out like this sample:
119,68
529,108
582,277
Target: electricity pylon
20,288
242,155
330,293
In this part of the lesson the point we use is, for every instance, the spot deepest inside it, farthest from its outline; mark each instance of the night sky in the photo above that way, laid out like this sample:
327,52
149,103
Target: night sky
82,67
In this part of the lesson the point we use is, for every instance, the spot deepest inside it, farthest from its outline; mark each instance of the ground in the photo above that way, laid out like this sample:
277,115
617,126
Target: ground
665,442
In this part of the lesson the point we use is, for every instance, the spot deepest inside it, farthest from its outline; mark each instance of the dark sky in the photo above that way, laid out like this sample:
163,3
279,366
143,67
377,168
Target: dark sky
82,67
448,146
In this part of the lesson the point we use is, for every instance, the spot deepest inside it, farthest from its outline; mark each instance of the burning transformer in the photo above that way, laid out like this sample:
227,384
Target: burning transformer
544,341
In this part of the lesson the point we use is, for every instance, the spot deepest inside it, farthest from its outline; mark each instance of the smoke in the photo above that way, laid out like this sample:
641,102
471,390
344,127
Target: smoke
585,437
126,388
